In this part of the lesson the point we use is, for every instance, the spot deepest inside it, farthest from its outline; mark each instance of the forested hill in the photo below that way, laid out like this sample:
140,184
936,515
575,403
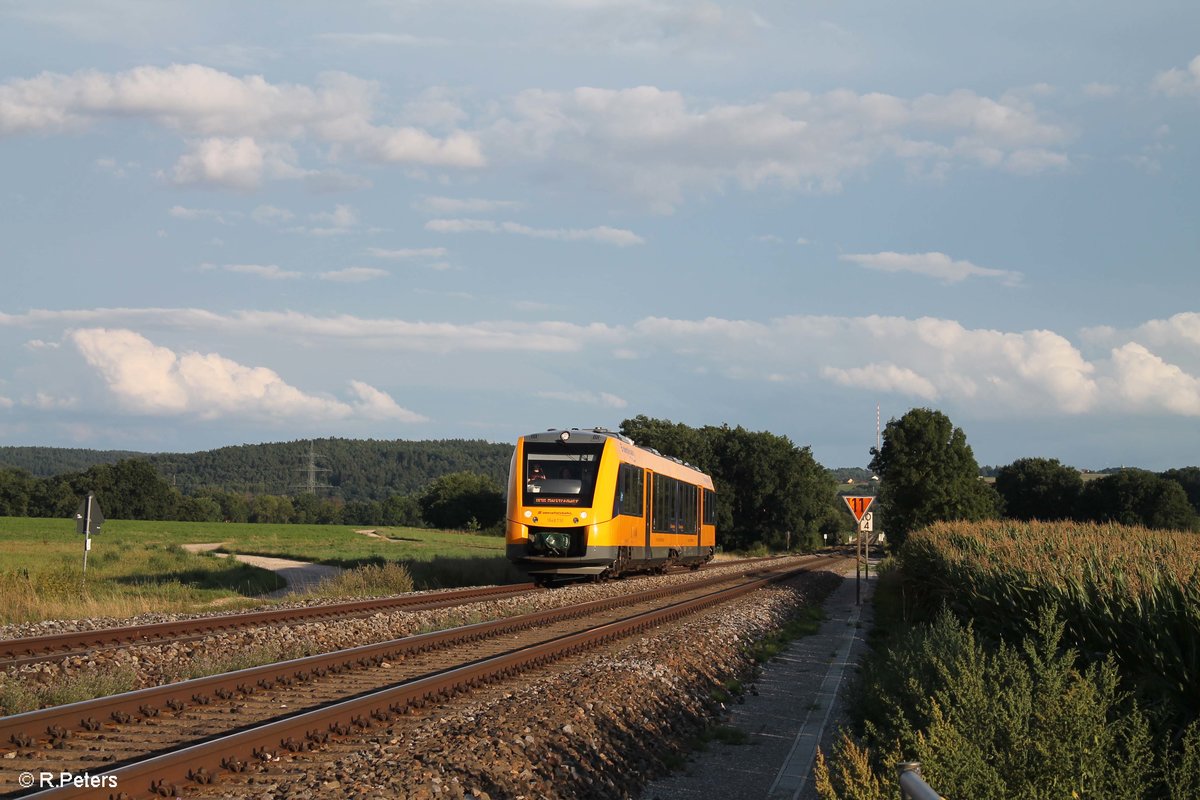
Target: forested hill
353,469
45,462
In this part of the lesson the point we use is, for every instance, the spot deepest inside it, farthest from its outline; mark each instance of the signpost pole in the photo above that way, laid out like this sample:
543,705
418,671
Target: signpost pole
87,531
858,569
88,519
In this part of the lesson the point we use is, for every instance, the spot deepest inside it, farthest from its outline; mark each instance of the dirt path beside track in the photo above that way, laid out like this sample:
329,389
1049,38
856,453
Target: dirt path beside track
300,575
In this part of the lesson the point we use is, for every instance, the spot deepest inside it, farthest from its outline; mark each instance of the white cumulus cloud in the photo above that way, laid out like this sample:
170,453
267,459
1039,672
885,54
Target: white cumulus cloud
241,128
1150,369
883,378
1178,82
1142,381
661,145
147,378
375,404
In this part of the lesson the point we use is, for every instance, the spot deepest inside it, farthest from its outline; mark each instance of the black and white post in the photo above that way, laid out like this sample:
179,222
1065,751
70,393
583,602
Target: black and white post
88,520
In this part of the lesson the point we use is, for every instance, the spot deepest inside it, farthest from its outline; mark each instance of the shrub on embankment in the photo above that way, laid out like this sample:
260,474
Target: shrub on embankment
1032,660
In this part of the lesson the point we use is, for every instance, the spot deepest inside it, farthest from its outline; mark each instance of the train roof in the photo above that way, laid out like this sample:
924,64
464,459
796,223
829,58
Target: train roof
643,456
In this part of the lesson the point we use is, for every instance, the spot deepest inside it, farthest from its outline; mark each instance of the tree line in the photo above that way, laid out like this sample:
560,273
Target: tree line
133,489
929,474
347,469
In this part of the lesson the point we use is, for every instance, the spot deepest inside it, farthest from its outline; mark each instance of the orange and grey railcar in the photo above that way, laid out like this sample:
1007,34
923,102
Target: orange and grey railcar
592,503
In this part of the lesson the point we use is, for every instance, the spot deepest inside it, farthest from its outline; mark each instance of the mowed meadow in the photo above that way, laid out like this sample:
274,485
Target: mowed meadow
138,567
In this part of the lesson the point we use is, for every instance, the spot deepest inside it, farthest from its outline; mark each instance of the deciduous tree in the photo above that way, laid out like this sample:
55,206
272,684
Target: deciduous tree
1039,488
1138,497
462,500
927,474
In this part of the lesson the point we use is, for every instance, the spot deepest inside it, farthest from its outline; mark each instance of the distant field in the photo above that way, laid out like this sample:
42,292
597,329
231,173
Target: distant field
137,566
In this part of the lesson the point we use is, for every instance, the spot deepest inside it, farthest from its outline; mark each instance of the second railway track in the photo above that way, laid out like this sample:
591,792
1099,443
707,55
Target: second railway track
24,651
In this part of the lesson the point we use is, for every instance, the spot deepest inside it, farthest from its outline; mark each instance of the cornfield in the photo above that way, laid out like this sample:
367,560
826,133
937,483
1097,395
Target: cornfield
1126,591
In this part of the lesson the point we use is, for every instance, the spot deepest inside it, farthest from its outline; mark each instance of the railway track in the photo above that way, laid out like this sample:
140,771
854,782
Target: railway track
33,650
38,649
300,705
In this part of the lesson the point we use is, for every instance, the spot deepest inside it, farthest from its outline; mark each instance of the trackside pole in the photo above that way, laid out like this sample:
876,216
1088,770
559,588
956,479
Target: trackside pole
858,570
87,532
88,520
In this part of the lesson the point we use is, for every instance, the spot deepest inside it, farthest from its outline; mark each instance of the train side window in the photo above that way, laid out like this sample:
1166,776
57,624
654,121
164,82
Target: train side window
710,507
629,491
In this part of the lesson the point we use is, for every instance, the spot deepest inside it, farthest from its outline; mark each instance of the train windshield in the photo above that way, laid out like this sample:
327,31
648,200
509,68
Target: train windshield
560,474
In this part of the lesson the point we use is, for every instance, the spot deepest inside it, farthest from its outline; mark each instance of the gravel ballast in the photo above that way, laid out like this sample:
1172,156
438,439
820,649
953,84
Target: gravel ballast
596,726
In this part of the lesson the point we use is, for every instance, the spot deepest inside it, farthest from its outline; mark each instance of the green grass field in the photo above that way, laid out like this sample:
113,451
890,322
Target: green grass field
137,566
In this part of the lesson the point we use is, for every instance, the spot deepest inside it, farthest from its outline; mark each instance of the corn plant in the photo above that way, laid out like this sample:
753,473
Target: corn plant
1128,592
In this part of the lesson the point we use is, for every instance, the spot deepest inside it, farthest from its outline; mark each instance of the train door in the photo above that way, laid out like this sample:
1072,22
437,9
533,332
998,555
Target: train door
649,507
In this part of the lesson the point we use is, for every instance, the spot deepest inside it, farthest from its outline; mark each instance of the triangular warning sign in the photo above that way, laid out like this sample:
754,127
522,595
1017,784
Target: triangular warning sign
858,506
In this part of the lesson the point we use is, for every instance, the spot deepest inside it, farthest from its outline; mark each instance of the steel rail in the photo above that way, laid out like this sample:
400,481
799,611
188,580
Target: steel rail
59,722
201,763
14,652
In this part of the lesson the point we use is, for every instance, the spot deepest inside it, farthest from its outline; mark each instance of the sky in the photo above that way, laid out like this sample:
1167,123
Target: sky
227,223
